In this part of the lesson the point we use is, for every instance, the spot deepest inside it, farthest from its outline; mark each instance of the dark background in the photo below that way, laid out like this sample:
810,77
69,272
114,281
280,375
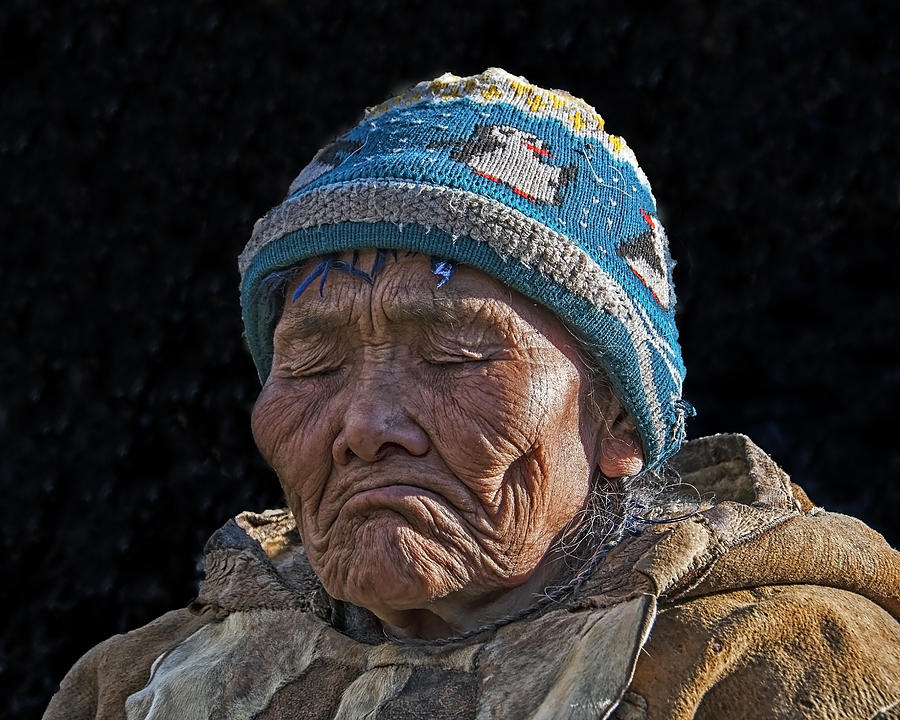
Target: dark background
139,142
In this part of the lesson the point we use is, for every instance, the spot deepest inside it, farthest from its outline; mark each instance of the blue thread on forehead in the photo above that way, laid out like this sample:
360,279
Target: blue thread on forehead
442,269
380,257
308,281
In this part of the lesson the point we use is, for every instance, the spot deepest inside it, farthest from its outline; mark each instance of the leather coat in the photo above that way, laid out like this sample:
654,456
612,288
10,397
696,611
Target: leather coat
762,605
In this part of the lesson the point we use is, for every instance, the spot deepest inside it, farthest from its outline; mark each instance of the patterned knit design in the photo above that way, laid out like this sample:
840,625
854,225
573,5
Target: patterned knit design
520,182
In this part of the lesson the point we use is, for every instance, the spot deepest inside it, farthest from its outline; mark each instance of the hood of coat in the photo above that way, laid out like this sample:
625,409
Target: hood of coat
760,529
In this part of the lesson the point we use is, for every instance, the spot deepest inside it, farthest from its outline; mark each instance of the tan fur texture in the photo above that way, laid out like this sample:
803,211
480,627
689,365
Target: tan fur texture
101,680
762,606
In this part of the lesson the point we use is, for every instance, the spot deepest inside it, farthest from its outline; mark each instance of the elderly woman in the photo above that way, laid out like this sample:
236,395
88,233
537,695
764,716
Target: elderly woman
463,318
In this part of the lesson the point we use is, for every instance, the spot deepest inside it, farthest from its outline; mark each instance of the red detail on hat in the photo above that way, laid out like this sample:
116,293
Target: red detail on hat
644,283
537,150
514,188
523,194
648,219
484,174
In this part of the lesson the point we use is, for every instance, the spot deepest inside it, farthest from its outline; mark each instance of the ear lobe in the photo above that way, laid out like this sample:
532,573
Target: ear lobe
621,453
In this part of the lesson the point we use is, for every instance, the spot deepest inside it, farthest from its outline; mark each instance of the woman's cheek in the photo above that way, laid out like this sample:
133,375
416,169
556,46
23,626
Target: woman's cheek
267,422
497,402
480,424
291,426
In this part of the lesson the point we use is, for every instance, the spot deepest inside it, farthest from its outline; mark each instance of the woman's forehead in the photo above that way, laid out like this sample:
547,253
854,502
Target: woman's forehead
406,289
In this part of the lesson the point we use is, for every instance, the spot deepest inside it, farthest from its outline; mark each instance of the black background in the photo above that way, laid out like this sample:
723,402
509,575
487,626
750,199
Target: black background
139,142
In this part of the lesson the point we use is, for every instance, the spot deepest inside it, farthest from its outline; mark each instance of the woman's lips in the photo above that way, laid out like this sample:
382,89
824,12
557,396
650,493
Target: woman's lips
399,487
400,497
395,488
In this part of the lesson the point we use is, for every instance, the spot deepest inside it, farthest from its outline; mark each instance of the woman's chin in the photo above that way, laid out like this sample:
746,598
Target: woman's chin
390,565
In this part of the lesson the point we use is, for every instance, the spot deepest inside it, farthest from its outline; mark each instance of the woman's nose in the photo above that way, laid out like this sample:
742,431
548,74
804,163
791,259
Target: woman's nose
375,422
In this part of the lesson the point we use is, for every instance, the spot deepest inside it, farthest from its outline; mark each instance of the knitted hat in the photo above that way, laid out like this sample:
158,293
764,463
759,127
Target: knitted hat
519,182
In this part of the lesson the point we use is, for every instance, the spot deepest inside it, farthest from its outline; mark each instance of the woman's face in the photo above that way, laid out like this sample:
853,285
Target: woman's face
432,442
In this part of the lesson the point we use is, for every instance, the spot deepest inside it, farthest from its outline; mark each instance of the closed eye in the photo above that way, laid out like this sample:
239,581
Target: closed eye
458,356
446,353
467,345
303,371
321,362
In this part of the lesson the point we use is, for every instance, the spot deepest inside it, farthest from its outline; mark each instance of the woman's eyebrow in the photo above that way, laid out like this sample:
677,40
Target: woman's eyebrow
448,312
451,312
306,324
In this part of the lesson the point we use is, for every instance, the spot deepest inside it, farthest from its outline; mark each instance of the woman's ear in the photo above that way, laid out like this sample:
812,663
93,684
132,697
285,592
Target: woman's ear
621,453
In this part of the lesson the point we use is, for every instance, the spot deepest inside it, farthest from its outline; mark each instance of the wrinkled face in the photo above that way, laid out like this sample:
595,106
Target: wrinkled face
431,442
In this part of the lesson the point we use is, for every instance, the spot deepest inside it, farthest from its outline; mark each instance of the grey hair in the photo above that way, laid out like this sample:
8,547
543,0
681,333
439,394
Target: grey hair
615,507
273,290
649,497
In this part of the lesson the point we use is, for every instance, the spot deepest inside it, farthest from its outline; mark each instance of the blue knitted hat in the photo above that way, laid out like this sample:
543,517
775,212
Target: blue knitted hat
520,182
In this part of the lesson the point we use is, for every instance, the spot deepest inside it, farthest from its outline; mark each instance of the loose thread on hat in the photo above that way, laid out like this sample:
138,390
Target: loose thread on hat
442,269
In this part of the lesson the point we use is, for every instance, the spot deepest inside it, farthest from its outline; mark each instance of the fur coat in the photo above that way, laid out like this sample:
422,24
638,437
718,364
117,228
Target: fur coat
761,606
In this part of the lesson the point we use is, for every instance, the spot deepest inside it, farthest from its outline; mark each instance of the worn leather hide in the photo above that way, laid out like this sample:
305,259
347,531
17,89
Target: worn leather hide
762,605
